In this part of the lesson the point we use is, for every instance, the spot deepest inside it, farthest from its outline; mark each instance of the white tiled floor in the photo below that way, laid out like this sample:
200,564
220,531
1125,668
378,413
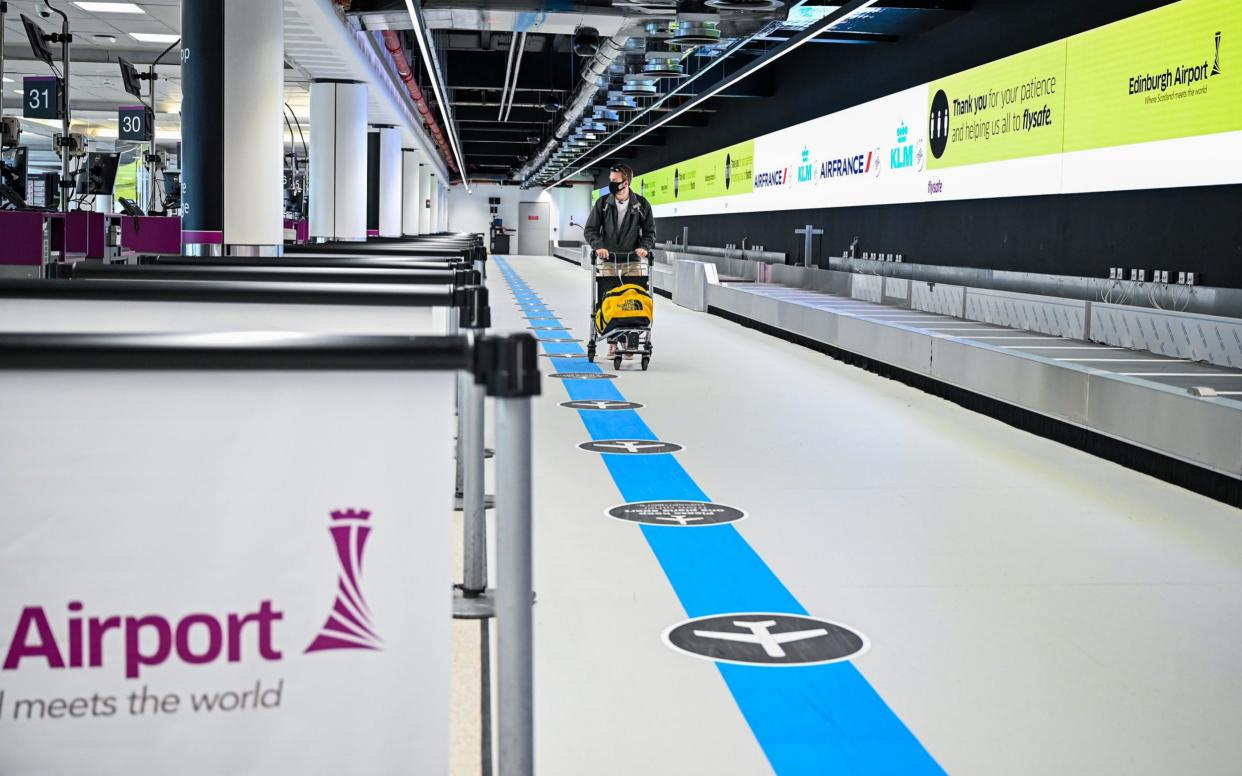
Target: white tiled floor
1031,609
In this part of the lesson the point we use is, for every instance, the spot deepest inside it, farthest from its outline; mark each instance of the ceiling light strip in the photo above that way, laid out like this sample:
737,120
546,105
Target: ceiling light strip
845,12
433,69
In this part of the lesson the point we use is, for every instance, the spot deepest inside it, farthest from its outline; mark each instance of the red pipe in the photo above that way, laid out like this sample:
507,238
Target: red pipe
393,43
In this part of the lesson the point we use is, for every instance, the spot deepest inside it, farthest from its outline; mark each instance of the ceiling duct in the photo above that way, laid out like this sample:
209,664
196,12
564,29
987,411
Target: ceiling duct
610,50
745,5
619,101
640,88
660,60
695,33
663,65
657,29
586,41
606,116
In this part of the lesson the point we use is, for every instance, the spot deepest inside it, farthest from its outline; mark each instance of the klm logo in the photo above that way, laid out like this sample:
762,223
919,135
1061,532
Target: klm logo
902,156
806,169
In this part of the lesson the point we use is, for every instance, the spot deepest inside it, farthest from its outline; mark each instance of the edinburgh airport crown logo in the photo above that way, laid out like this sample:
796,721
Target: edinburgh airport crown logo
349,624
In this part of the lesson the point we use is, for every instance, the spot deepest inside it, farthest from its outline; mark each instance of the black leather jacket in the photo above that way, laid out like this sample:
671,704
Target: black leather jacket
636,230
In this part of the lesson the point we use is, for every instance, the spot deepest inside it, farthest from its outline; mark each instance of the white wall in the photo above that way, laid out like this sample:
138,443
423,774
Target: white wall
470,212
572,203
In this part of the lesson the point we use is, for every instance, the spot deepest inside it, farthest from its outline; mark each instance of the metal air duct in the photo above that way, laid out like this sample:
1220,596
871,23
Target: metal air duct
609,51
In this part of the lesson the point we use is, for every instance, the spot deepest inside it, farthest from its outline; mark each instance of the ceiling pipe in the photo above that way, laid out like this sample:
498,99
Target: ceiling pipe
610,51
392,42
504,90
517,69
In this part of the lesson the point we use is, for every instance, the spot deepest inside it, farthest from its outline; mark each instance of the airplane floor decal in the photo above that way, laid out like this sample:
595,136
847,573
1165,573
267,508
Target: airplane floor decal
812,712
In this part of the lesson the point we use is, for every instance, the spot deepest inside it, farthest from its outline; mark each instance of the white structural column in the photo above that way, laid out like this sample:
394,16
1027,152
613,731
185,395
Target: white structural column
444,208
338,169
390,173
410,202
424,198
232,126
434,215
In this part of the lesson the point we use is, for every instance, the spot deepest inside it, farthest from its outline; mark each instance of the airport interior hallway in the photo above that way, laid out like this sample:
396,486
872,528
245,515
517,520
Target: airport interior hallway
991,602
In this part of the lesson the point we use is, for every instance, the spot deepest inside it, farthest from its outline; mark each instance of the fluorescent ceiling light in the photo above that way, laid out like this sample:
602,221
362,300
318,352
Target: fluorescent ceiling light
427,51
8,80
154,37
109,7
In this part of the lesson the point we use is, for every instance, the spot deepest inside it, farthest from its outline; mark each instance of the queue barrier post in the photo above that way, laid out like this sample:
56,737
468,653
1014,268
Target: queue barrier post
512,379
475,317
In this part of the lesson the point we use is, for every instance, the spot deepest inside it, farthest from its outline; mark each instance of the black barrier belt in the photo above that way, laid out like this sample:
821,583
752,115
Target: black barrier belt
84,270
313,260
506,365
367,249
375,256
247,351
360,294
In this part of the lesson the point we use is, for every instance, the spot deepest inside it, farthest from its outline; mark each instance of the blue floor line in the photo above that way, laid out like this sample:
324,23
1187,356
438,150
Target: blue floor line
824,719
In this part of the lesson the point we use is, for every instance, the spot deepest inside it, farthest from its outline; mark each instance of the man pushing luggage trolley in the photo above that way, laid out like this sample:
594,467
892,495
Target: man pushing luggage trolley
621,233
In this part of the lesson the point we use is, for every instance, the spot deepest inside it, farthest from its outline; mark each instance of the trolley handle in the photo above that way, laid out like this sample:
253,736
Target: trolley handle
615,257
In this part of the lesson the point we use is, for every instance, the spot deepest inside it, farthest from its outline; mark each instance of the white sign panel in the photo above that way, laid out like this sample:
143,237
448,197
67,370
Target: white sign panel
225,573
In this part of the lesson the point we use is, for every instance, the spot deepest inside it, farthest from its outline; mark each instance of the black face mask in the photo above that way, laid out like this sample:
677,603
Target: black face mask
614,187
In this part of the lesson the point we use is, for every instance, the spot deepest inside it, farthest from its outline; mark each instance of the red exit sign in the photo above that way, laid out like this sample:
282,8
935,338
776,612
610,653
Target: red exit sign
532,218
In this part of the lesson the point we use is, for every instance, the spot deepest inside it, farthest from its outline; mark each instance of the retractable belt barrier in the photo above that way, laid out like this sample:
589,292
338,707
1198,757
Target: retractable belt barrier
228,553
267,273
137,306
473,600
198,305
470,247
315,260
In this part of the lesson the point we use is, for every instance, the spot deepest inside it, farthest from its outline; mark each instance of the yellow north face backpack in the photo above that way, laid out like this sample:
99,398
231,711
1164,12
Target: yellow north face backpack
627,306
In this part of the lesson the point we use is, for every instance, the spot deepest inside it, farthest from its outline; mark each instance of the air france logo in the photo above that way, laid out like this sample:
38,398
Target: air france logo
846,166
771,178
806,170
349,624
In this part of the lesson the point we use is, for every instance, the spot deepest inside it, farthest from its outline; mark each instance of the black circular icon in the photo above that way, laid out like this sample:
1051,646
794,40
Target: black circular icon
563,355
583,376
629,447
602,404
676,181
684,514
728,169
761,638
938,124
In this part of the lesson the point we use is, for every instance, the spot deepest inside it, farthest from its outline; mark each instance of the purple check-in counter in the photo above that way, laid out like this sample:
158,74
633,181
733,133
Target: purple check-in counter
297,231
26,245
151,235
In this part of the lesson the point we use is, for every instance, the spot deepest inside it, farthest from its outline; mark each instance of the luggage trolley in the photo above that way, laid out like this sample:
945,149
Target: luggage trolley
630,340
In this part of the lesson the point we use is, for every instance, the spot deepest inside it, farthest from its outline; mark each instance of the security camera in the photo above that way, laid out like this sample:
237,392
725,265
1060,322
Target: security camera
46,14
